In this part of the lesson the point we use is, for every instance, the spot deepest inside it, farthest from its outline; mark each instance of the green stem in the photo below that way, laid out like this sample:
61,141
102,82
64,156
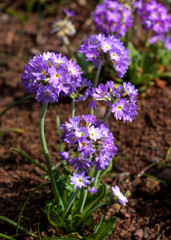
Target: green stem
15,103
70,201
82,200
4,236
97,174
99,224
98,73
91,211
119,210
59,132
145,49
46,155
27,199
96,80
107,115
11,222
67,45
73,108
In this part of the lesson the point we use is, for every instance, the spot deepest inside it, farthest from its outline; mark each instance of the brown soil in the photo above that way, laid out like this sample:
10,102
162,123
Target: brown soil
145,141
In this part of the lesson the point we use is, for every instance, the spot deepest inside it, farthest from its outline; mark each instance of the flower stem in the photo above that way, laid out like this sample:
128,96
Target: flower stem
98,73
96,80
82,200
99,224
97,174
107,115
67,45
73,108
46,155
91,211
70,201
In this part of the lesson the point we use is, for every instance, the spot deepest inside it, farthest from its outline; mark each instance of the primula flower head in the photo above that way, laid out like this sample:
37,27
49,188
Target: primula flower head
113,17
154,16
122,99
106,48
119,195
93,142
47,76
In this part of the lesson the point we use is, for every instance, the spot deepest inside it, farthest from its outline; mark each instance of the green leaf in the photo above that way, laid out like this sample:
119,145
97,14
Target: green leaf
154,178
16,14
54,216
164,56
134,55
104,230
81,60
4,236
22,154
94,199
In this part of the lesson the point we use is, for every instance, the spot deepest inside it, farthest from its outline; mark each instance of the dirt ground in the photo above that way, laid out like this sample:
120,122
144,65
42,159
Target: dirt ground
144,141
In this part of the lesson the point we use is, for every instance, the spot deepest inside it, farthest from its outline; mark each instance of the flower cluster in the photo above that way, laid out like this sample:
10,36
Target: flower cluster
155,17
99,47
113,17
122,99
166,40
91,140
50,75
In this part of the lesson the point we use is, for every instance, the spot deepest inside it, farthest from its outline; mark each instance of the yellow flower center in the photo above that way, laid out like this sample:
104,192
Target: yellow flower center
57,75
43,72
84,144
47,93
92,134
82,134
119,107
74,138
80,180
103,93
113,54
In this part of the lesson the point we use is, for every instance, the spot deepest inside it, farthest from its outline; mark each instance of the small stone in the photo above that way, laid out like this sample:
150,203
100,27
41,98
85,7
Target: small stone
139,233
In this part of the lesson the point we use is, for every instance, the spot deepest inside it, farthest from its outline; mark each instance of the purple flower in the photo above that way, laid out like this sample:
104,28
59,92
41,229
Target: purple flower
130,90
117,193
82,132
46,93
50,75
113,17
64,155
81,163
69,13
92,142
99,47
122,99
120,109
92,190
79,179
154,16
94,133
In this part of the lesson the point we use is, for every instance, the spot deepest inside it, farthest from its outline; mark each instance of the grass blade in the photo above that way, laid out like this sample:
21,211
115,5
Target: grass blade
22,154
14,224
27,199
4,236
15,104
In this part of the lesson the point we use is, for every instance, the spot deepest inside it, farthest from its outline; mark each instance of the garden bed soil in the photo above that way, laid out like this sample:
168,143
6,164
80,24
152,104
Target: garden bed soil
144,141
